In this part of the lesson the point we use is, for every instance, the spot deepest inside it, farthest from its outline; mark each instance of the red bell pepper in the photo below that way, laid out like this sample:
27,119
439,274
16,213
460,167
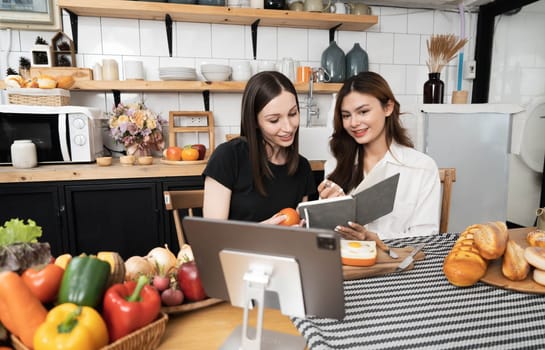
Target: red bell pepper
129,306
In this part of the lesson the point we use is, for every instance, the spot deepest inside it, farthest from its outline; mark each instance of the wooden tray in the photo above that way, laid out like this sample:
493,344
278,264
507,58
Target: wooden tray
190,306
385,264
183,162
495,277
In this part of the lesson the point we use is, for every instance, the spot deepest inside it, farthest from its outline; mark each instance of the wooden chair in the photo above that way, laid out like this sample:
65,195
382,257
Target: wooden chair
447,176
175,200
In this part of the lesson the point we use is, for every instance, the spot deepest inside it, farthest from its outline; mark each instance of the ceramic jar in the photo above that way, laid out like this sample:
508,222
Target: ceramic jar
357,61
23,154
333,60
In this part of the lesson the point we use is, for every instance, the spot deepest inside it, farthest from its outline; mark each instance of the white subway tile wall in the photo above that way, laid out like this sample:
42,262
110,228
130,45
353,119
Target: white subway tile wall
396,47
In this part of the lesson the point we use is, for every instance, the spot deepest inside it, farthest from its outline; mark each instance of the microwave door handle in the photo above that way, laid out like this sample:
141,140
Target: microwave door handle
63,120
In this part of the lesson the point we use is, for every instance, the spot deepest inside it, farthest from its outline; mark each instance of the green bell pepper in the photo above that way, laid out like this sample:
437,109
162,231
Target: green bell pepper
84,281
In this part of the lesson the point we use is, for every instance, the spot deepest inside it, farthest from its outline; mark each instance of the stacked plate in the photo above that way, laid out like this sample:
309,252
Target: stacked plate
177,73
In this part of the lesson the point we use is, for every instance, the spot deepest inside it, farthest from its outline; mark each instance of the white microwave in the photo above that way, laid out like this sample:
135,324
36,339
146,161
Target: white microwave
64,134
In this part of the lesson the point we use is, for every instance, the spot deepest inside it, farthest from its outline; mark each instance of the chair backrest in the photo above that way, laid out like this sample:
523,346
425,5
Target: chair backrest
447,176
175,200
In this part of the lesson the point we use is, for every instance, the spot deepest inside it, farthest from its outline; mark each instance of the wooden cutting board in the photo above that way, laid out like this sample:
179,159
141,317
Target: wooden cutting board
495,277
385,264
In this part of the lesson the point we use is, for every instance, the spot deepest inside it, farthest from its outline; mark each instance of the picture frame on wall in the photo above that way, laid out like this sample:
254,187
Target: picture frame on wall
30,14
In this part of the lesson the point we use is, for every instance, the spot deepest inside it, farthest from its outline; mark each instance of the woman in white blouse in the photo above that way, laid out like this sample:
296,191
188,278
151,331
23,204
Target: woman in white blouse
368,141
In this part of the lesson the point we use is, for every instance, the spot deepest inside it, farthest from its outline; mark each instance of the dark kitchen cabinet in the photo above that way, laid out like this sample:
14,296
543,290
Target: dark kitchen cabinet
126,215
114,215
41,202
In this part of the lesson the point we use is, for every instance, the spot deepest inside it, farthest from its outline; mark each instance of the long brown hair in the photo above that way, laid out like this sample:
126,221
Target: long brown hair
259,91
348,172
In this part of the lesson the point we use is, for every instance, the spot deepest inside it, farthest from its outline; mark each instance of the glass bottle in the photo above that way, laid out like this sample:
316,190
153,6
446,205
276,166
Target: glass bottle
357,61
333,61
434,89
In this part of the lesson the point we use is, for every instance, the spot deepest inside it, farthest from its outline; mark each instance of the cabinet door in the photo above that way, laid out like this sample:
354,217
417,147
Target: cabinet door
114,216
38,202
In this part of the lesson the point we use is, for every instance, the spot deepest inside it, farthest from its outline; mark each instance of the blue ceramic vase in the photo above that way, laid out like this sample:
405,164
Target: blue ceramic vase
333,61
357,61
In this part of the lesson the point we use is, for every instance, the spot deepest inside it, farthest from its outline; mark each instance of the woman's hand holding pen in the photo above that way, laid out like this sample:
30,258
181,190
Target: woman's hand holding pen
329,189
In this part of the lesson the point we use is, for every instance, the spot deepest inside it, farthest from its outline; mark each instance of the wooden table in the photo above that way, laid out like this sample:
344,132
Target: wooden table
209,327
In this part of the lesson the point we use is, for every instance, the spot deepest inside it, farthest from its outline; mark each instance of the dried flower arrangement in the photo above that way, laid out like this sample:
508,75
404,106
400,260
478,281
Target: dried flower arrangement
442,48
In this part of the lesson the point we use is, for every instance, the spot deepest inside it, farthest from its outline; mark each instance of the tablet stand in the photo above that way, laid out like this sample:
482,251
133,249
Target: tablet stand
257,279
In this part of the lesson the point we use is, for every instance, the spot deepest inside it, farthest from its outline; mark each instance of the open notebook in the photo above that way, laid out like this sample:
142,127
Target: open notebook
370,201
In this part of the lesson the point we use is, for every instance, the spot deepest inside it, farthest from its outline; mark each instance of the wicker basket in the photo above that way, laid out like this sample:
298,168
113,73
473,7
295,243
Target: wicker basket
146,338
38,97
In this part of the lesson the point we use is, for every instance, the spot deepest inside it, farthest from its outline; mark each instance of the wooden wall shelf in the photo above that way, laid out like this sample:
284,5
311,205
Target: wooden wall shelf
185,86
217,14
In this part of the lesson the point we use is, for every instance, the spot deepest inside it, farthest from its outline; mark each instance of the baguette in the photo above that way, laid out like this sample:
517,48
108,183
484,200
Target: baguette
514,265
490,239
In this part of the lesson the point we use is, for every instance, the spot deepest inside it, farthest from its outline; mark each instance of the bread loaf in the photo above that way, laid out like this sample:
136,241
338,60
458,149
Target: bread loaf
14,81
536,238
47,82
535,257
490,239
463,266
514,265
65,82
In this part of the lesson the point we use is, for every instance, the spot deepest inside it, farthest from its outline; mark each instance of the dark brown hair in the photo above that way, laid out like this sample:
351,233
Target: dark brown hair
348,172
259,91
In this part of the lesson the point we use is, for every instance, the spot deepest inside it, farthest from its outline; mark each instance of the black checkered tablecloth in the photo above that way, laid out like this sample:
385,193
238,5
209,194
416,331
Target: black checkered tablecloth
420,309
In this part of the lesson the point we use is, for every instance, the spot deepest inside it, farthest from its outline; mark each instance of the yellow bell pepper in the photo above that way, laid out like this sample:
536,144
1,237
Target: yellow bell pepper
71,327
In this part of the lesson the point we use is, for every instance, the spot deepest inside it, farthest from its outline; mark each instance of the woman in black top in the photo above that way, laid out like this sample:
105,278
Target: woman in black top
254,176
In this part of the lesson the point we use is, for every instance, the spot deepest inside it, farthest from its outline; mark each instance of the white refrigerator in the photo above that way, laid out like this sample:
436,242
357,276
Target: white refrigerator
474,139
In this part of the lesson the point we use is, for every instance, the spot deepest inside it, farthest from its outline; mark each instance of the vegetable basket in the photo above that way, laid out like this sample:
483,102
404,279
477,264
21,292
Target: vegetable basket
145,338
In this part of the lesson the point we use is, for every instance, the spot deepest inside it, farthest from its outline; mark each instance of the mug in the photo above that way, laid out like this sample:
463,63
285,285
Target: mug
109,69
134,70
23,154
316,6
320,75
286,66
296,6
340,8
357,8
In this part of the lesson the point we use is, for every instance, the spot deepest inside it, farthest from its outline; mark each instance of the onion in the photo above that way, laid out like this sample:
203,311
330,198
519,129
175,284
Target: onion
185,254
163,259
136,266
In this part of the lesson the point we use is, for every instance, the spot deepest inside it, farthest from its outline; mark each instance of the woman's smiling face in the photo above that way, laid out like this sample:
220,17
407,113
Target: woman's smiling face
364,117
279,120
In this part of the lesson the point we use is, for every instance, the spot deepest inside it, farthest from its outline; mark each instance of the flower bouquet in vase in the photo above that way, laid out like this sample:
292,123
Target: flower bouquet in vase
138,128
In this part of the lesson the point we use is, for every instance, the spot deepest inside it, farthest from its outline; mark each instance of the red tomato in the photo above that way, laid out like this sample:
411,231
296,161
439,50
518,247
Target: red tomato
173,153
189,153
292,217
45,282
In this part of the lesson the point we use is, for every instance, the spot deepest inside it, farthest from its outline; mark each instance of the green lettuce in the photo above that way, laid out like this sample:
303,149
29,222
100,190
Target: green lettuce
16,231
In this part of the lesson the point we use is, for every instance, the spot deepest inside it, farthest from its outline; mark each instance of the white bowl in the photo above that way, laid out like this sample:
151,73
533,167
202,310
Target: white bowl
216,76
210,67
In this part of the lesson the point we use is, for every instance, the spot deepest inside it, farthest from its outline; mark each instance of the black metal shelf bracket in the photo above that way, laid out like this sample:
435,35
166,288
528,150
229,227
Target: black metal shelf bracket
168,27
332,32
74,27
117,97
254,37
206,100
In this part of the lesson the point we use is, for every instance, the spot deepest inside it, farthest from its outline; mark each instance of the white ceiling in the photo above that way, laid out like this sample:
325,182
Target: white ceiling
470,5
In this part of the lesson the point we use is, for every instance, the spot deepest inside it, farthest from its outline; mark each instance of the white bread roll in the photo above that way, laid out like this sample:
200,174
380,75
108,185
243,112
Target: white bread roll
14,81
514,265
490,238
535,257
536,238
539,277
